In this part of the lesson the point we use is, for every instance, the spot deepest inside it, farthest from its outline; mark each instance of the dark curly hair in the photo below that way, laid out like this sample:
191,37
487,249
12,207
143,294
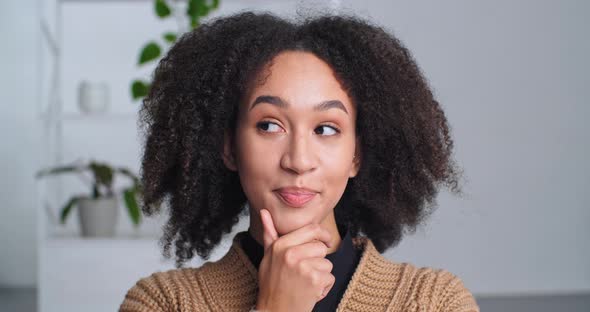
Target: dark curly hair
405,139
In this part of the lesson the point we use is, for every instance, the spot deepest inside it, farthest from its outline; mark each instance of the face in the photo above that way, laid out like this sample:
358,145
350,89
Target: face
296,130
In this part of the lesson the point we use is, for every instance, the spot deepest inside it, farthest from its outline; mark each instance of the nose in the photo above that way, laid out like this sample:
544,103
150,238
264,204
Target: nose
299,156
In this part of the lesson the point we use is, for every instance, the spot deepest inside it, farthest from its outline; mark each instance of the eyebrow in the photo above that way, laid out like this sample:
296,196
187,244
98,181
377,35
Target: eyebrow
275,100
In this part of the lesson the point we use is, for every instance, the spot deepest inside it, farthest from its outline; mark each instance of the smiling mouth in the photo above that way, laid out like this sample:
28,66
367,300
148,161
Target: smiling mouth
295,200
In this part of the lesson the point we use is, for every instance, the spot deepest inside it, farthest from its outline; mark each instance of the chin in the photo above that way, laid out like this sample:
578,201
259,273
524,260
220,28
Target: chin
294,220
286,225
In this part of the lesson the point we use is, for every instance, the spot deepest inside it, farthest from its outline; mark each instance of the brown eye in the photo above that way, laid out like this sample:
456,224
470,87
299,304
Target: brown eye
268,126
330,130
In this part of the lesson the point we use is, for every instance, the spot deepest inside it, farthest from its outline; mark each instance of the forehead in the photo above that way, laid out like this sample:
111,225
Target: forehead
301,79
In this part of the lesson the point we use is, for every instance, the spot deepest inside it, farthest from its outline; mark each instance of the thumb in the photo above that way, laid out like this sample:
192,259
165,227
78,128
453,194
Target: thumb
269,233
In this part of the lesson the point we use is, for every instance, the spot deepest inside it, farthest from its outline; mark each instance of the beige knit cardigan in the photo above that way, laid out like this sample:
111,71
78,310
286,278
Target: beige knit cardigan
230,284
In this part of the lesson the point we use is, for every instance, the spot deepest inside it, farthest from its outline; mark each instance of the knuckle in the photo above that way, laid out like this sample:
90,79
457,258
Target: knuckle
289,257
332,279
329,265
316,281
276,247
323,248
302,268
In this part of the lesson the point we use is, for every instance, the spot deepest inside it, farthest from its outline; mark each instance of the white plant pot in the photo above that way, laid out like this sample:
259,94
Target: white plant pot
93,97
98,217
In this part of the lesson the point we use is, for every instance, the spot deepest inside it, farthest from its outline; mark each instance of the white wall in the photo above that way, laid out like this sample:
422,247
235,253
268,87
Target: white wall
512,79
19,134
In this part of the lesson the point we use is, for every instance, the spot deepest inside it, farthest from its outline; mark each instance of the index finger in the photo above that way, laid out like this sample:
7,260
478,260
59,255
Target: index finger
269,233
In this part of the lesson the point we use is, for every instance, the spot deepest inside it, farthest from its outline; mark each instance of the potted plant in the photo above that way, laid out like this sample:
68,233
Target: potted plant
98,210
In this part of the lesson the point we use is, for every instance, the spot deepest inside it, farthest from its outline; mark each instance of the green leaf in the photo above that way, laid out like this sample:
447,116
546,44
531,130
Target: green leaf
65,210
197,8
194,22
57,170
191,8
203,10
170,37
126,172
132,207
162,9
150,51
139,89
103,173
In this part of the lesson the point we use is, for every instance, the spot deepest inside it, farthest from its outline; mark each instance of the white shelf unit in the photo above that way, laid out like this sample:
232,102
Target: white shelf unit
75,273
57,122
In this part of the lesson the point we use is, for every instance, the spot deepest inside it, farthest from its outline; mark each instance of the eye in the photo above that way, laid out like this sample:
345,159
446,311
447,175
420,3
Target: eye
267,126
331,130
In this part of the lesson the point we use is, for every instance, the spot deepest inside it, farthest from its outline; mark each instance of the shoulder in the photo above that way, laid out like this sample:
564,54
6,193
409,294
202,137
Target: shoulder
228,281
164,291
416,288
440,289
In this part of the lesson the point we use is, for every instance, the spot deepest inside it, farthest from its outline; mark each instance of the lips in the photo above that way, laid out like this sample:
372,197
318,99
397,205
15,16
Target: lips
295,197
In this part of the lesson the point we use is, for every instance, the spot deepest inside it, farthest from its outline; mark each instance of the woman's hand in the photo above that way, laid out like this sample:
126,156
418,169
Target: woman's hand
294,273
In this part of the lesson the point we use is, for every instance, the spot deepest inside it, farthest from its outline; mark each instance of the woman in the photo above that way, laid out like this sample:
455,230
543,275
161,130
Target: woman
327,133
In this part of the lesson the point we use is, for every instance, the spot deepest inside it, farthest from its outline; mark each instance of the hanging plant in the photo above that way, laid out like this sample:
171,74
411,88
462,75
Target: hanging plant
194,11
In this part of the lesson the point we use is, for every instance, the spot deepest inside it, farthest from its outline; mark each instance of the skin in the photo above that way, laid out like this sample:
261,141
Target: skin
294,144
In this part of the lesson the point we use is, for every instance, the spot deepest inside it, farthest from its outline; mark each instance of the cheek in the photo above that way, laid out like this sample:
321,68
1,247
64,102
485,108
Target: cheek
337,160
336,169
255,163
254,155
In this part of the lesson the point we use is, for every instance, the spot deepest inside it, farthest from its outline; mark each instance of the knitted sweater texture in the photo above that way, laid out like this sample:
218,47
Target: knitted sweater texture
231,284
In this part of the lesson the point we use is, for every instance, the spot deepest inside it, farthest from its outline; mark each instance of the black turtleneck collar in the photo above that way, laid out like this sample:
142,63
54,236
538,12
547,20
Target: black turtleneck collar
344,261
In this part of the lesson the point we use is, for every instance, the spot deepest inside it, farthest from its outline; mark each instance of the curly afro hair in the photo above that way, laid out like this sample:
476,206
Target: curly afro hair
406,145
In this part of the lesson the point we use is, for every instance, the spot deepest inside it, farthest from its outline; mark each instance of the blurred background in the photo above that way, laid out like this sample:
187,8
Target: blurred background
512,77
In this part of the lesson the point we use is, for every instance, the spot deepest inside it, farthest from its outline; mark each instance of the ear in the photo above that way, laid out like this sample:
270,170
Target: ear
228,152
356,161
